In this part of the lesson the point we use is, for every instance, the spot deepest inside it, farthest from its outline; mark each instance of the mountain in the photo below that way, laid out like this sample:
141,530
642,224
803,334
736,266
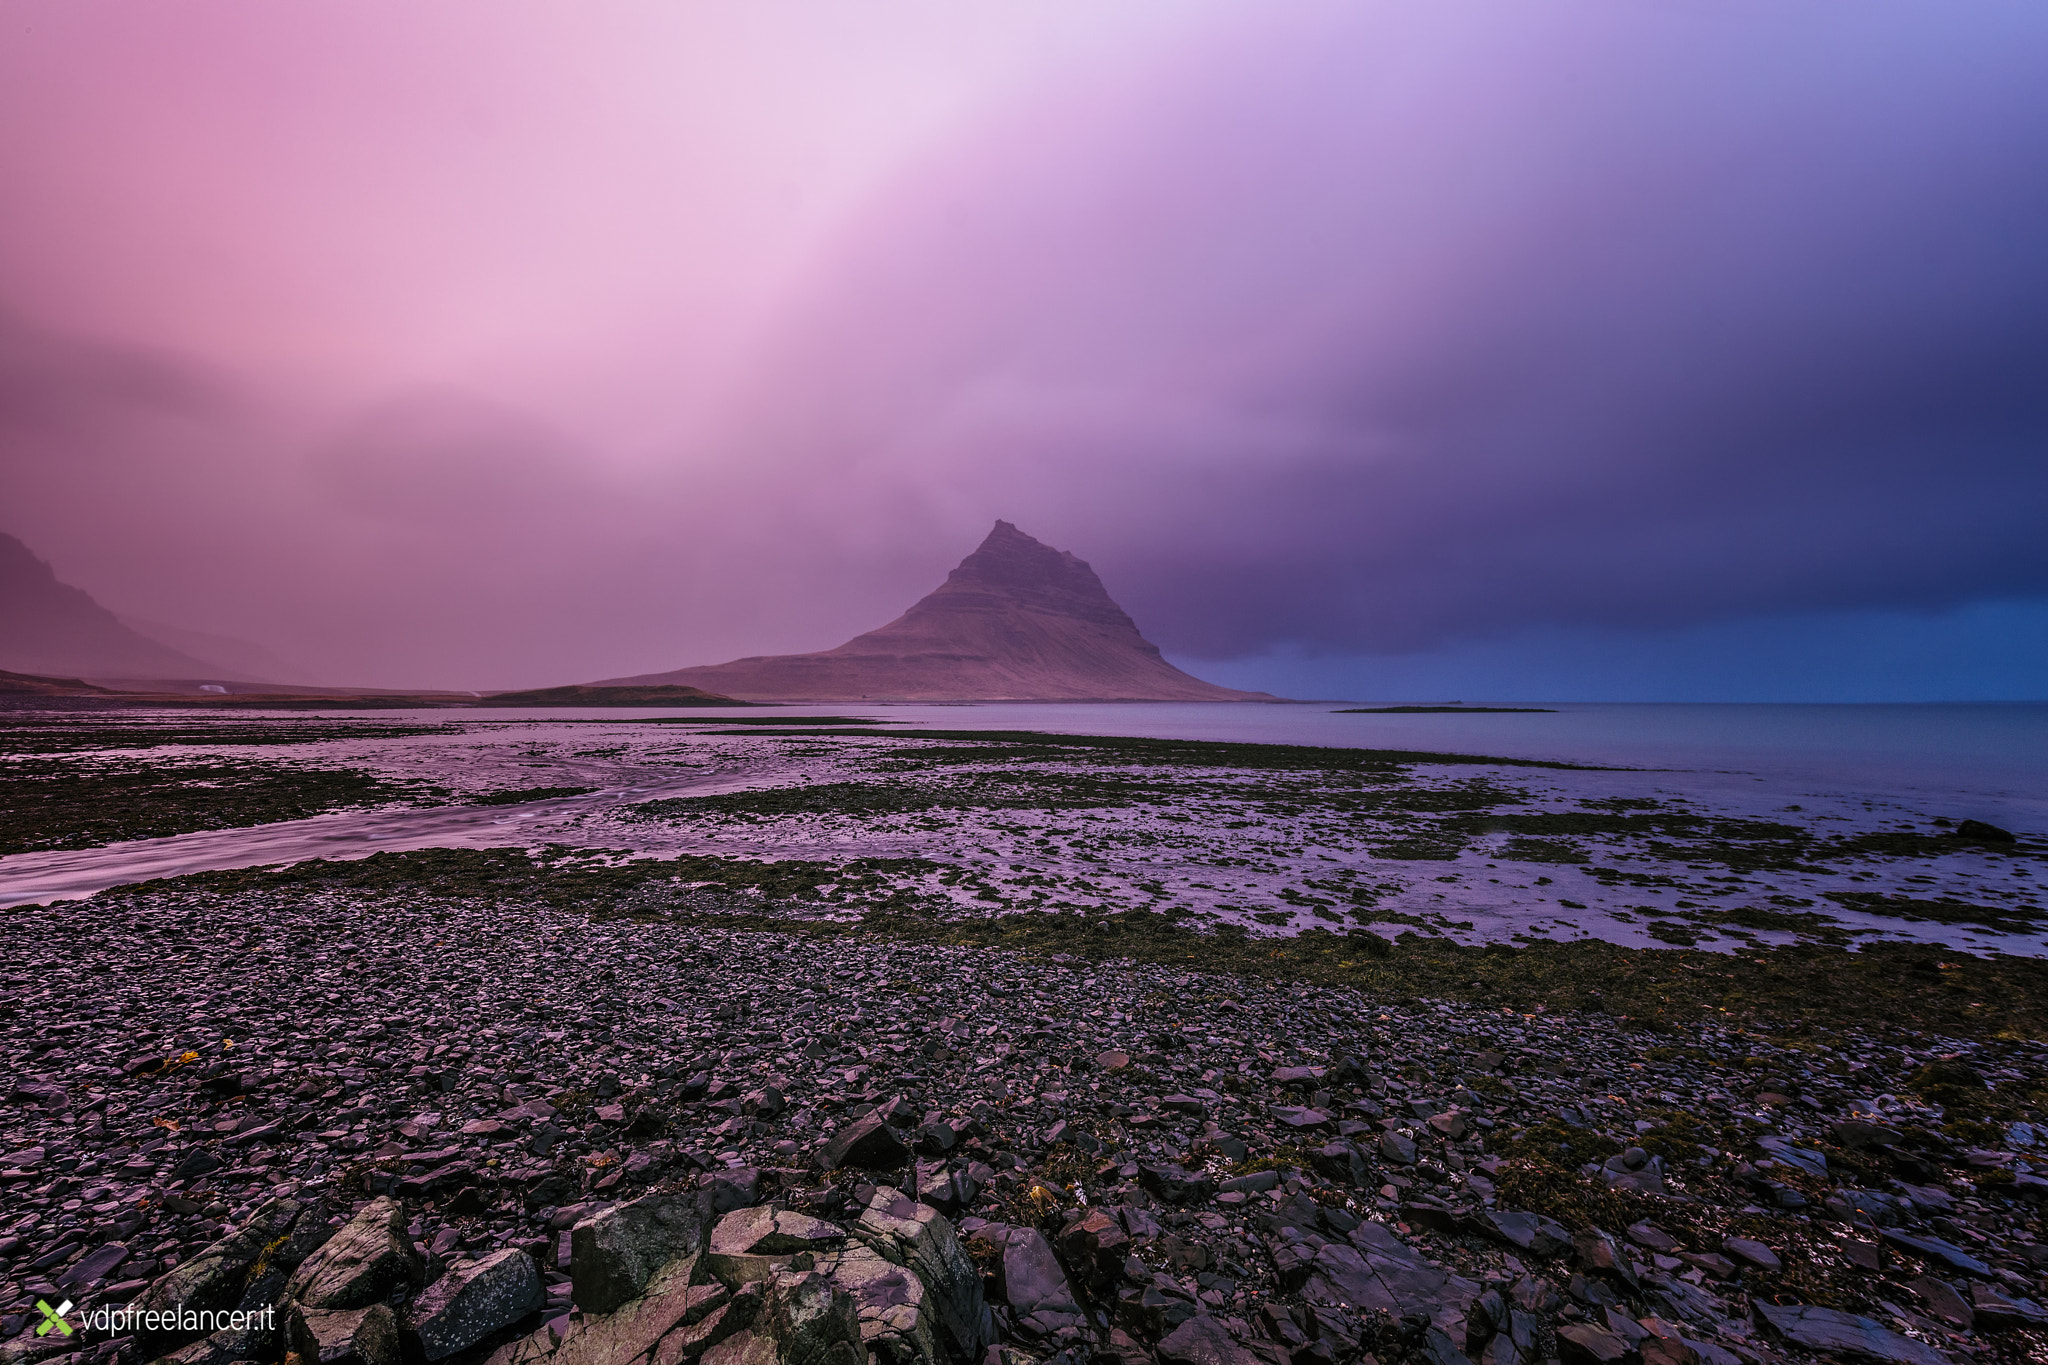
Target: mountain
48,627
1016,621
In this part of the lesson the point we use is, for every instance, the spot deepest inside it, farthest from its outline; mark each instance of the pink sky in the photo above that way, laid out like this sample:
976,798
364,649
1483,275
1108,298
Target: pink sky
506,343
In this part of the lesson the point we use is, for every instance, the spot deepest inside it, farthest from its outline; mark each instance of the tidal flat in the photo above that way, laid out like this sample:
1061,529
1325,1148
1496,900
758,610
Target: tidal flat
1265,839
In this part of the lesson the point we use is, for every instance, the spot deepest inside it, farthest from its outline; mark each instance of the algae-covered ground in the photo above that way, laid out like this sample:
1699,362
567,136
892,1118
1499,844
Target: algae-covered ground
74,782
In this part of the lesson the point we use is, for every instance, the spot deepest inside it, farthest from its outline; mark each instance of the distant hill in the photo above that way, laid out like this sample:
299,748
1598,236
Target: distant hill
589,694
1016,621
28,684
51,628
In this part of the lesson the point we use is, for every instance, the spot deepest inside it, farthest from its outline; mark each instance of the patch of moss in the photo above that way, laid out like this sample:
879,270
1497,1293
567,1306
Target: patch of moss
1940,911
1558,1145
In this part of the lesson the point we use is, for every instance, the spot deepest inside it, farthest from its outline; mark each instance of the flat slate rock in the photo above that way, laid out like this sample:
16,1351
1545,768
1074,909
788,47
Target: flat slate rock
1829,1329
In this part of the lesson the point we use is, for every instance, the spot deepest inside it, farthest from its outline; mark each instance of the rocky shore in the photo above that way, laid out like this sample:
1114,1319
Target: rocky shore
469,1129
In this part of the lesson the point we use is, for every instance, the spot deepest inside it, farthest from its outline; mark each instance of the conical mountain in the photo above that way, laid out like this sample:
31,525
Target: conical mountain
1016,621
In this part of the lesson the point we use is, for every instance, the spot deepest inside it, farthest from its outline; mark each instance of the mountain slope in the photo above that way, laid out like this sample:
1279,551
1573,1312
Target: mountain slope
51,628
250,661
1016,621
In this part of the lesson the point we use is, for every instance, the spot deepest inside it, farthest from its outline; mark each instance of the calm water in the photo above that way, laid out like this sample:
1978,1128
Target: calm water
1991,756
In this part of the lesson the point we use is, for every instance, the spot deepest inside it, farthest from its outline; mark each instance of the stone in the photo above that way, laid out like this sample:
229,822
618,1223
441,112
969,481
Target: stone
1581,1341
1451,1124
1297,1077
361,1264
1398,1148
1995,1312
1861,1135
1598,1251
1096,1240
1030,1280
345,1336
1799,1158
93,1267
1377,1271
1174,1184
194,1164
634,1327
1941,1300
1830,1329
895,1315
1984,833
921,1239
1530,1231
1752,1251
721,1192
744,1348
1935,1249
1202,1340
748,1244
473,1300
615,1254
690,1340
809,1319
1652,1238
214,1278
868,1143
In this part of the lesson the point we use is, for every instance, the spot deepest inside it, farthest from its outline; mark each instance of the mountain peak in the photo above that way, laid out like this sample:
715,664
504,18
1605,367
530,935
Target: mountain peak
1016,620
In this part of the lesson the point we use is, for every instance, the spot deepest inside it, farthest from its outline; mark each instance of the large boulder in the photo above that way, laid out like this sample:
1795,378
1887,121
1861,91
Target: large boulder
632,1329
921,1239
217,1277
1029,1278
616,1254
1202,1340
474,1299
361,1264
1379,1272
690,1341
890,1303
750,1244
344,1336
810,1319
